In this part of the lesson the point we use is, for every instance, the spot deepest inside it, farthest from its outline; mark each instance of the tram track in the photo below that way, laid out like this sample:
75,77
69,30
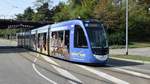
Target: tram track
108,68
69,70
45,68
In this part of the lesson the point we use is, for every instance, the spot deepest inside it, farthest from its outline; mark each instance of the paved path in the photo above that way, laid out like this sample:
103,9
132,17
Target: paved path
133,51
5,42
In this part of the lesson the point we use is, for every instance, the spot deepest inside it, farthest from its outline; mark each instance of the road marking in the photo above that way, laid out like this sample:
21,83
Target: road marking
132,72
50,60
137,69
62,71
104,75
46,78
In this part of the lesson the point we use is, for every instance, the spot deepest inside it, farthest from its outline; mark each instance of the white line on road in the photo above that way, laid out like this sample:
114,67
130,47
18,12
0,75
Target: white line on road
131,72
67,74
46,78
104,75
50,60
62,71
136,69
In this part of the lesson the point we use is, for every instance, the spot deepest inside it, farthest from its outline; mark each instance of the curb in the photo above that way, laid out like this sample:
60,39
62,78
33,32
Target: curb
131,60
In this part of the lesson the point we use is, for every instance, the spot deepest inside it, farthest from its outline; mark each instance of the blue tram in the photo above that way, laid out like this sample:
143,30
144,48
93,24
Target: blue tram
74,40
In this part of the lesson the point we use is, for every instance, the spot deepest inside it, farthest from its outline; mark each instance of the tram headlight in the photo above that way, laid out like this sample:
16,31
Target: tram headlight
101,57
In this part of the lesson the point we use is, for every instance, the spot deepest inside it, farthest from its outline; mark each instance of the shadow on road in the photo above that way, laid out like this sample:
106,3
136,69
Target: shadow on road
11,49
110,63
121,63
114,62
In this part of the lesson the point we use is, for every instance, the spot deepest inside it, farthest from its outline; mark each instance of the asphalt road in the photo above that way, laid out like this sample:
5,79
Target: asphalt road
20,66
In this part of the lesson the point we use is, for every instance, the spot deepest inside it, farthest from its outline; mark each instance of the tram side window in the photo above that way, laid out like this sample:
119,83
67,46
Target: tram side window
33,40
53,40
60,37
44,41
67,36
79,38
38,40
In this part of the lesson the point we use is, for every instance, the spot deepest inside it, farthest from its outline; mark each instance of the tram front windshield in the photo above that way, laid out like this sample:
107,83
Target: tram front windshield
97,36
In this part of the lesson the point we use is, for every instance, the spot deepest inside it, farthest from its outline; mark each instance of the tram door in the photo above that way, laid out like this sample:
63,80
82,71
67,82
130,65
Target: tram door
36,40
59,44
19,40
33,42
41,42
44,43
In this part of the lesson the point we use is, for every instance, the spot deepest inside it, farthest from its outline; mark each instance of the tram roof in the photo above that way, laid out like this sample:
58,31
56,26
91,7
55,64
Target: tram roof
64,23
73,22
60,25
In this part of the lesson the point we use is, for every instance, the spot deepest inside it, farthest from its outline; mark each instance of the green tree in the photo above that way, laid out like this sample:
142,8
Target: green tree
61,12
82,8
43,13
109,13
75,8
27,15
139,19
112,14
39,3
19,17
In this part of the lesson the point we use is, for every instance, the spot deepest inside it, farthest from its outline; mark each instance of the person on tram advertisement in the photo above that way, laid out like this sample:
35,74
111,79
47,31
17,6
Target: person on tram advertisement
40,42
53,44
58,47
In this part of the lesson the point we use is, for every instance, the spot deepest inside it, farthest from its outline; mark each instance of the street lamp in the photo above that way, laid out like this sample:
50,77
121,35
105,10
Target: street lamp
127,27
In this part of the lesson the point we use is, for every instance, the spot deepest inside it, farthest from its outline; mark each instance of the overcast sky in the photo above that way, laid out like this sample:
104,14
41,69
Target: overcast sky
9,8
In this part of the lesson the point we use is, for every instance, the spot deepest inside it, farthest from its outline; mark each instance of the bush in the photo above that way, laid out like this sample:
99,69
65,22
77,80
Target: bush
117,38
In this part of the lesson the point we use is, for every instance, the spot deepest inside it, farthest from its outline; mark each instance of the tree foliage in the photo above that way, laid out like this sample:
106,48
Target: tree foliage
75,9
27,15
110,12
43,13
61,12
139,19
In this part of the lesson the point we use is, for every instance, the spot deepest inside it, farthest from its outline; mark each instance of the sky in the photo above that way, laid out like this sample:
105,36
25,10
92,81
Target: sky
9,8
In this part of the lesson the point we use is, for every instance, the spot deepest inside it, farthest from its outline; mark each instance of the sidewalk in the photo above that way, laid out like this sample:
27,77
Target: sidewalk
133,51
6,42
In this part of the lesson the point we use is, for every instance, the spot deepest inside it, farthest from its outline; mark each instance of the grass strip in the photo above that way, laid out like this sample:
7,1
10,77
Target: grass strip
133,57
132,45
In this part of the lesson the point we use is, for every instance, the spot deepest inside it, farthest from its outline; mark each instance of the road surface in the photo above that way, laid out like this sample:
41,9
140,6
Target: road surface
20,66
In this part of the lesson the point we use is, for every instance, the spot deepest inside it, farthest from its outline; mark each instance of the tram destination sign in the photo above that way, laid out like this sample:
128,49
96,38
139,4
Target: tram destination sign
92,25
